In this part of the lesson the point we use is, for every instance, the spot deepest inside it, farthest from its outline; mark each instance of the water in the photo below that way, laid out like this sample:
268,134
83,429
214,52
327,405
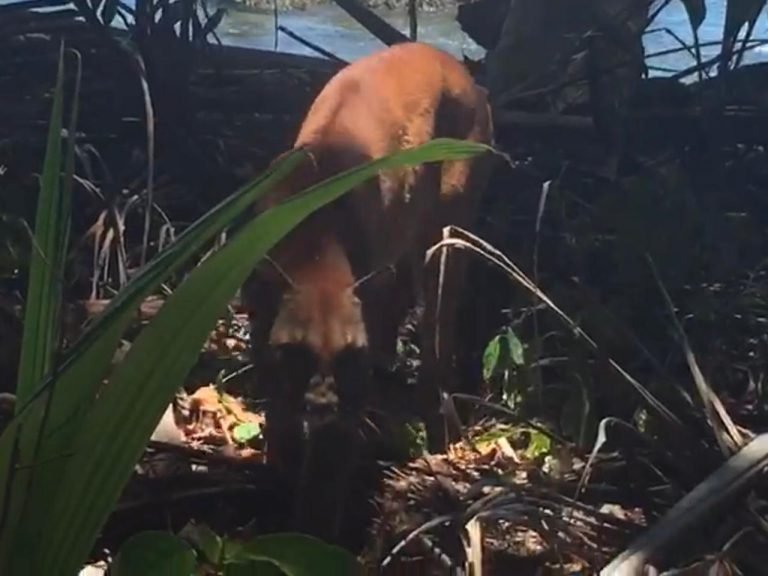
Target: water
331,28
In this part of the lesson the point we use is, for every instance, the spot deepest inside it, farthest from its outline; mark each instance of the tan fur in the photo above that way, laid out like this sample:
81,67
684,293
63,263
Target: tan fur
400,97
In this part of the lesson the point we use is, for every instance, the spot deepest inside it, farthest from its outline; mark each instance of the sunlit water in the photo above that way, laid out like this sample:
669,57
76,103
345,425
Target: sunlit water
331,28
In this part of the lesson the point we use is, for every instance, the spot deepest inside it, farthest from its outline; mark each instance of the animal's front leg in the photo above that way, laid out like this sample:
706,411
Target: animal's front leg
325,483
333,454
284,415
278,375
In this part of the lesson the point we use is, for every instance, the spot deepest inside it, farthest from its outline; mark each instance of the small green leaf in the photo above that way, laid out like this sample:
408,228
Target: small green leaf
246,431
514,348
491,357
295,555
203,539
154,553
540,444
504,351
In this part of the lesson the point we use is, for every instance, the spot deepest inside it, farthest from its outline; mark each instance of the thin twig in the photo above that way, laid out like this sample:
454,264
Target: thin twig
311,45
150,120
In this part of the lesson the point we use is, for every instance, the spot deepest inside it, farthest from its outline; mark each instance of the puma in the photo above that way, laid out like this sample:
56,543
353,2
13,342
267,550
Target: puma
328,301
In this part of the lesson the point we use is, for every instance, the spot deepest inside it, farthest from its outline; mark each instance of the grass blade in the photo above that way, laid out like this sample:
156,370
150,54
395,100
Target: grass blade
41,305
41,326
51,421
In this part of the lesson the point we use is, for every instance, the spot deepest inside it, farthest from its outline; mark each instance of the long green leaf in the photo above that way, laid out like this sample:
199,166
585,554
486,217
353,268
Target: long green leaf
41,319
69,167
36,508
90,359
111,323
117,428
41,304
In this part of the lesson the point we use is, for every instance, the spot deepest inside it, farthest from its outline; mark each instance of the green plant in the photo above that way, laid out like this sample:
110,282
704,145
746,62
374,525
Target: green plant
73,442
198,550
503,360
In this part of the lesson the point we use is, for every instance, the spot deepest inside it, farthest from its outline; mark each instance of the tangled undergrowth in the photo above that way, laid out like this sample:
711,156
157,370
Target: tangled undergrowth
620,354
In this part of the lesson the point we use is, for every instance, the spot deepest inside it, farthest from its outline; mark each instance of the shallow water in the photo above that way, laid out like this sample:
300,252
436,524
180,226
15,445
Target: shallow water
331,28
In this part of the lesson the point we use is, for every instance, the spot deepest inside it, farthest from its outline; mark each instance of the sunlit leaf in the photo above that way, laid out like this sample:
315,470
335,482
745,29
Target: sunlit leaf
503,352
491,357
539,445
246,431
514,347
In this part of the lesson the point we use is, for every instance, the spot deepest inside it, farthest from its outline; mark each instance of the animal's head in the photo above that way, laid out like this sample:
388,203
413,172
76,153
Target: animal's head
325,318
320,333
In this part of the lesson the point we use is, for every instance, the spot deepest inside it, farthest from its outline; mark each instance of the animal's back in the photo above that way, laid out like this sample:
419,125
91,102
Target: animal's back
393,99
398,98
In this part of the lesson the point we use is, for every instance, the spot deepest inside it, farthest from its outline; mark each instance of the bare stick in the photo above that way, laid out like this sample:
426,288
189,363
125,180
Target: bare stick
311,45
